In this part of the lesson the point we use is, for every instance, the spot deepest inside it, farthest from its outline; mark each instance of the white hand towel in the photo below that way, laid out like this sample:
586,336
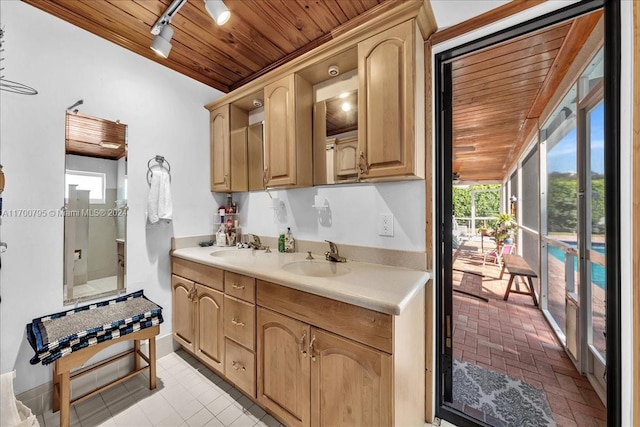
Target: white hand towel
159,206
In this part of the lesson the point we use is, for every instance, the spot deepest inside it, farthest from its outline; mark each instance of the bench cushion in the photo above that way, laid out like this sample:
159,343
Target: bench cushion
56,335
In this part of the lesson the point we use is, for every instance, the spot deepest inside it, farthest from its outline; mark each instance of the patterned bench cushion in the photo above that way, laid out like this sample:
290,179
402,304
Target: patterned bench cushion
56,335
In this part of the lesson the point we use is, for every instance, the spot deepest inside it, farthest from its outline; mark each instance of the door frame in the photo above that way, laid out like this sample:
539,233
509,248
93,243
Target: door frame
443,188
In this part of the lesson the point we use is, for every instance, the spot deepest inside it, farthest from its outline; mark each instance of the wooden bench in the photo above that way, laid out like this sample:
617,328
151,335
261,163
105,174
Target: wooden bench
517,266
62,369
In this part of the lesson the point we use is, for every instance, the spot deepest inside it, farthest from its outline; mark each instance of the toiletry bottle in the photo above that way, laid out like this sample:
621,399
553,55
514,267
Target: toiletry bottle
289,241
281,243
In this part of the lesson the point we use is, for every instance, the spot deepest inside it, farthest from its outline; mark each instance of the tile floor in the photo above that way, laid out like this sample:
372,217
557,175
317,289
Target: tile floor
188,394
514,338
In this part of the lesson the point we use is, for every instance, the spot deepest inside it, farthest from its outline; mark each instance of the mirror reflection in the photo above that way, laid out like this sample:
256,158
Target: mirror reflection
336,139
95,207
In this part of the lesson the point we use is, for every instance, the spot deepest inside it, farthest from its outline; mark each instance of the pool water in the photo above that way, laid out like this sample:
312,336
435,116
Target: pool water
598,273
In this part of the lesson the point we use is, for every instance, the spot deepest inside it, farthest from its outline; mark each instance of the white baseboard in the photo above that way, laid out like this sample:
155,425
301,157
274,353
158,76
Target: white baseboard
38,399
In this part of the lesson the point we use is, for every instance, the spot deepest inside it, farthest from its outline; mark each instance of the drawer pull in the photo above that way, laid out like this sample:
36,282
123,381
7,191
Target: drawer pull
238,367
303,338
236,286
311,348
237,322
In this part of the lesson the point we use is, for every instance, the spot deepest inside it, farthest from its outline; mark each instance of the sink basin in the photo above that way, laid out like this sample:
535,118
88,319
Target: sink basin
316,268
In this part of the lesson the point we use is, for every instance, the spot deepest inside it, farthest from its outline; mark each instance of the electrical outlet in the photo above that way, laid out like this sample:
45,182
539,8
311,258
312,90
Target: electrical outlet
385,224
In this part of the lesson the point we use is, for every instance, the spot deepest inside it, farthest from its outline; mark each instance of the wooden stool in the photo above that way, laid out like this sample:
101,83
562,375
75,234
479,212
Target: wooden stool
517,266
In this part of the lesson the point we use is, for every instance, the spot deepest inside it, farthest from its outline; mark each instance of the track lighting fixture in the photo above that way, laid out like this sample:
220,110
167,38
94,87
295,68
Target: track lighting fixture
162,42
218,11
162,28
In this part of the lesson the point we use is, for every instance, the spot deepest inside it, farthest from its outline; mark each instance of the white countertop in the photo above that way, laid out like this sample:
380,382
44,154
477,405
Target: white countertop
377,287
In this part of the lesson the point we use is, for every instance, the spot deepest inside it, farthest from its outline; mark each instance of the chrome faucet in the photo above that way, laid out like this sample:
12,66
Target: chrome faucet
332,254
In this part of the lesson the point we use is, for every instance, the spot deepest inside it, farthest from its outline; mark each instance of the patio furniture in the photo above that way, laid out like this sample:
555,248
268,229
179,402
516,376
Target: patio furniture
517,266
498,253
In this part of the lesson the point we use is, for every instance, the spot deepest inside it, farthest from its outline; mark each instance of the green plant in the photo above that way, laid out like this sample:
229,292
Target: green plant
504,227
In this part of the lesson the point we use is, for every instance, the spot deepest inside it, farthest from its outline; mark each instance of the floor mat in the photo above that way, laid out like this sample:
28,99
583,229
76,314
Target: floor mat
497,396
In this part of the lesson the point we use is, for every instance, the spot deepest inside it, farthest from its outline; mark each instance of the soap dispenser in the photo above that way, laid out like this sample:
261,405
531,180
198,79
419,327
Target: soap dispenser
289,241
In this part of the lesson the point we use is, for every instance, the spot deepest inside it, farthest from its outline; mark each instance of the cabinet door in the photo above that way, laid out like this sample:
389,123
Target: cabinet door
386,103
280,143
346,158
350,383
220,149
255,161
183,317
283,367
210,338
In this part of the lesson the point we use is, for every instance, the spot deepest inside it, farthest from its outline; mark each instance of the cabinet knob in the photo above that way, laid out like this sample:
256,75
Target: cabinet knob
312,349
237,322
235,365
303,338
362,164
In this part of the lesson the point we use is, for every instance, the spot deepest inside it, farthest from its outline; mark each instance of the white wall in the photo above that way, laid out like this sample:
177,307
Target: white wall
165,115
351,217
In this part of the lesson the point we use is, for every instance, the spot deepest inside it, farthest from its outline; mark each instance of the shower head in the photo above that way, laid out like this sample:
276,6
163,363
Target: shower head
79,102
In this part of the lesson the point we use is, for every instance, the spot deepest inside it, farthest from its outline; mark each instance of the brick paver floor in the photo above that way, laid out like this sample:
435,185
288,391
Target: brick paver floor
513,337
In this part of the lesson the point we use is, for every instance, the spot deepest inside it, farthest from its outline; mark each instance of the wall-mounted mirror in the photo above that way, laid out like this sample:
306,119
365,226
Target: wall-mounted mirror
95,207
336,139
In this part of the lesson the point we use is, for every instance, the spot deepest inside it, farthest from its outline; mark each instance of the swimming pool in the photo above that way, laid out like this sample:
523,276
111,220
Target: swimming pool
598,272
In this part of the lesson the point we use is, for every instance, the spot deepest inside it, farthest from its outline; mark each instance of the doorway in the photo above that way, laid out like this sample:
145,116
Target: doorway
531,241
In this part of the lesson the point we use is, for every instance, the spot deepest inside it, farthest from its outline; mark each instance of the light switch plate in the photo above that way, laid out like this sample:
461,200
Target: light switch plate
385,224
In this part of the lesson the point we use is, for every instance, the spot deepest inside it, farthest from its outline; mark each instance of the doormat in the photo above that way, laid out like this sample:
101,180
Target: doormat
511,401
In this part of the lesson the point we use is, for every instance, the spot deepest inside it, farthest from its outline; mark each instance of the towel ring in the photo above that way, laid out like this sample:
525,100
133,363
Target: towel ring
160,160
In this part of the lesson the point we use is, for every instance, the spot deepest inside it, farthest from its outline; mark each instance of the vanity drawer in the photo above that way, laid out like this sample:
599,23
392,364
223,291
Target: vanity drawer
360,324
203,274
240,367
240,321
242,287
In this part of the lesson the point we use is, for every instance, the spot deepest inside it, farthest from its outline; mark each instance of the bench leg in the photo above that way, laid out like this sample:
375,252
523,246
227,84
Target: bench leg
152,363
65,406
55,404
136,355
533,294
506,294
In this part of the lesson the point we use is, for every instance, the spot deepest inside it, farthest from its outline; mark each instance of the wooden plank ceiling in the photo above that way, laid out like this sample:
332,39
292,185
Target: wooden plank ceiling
94,137
259,36
500,92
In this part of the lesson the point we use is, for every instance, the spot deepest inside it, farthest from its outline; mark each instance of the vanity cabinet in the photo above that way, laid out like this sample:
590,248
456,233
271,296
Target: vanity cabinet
306,359
308,376
288,132
323,362
391,104
229,149
197,302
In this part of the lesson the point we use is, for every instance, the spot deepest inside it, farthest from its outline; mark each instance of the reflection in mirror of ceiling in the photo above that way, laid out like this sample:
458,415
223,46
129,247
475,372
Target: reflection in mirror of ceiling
94,137
342,113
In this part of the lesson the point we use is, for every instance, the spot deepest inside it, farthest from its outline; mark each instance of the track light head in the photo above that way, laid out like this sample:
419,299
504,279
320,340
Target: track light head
218,11
162,42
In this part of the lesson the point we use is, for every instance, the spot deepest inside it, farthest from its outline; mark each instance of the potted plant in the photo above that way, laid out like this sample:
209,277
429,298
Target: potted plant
504,228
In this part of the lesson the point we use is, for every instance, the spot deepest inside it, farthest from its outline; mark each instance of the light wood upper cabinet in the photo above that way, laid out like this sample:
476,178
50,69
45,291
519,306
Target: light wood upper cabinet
346,158
283,367
288,133
391,104
228,149
210,336
351,384
183,319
